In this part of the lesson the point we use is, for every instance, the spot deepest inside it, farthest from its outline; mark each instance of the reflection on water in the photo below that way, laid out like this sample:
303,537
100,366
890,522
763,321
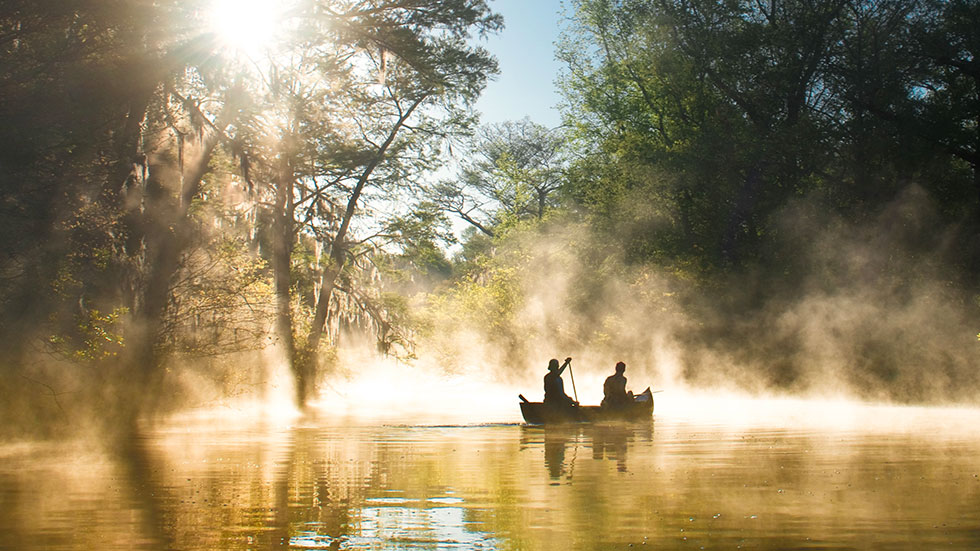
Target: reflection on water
669,485
606,441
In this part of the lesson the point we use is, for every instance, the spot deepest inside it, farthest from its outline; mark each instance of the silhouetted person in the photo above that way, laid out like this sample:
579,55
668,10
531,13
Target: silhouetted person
554,388
614,393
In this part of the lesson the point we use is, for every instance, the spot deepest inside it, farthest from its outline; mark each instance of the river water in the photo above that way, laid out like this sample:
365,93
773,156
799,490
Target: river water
789,482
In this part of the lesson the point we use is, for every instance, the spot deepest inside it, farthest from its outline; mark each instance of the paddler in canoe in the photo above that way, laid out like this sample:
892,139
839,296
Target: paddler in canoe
554,387
614,393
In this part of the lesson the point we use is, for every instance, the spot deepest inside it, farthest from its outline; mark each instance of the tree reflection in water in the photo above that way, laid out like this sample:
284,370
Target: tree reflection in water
497,487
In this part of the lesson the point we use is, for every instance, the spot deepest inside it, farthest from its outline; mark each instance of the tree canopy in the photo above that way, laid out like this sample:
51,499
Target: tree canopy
151,164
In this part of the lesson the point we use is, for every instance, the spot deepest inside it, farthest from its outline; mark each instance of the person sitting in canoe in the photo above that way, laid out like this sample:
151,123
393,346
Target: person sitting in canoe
554,388
614,389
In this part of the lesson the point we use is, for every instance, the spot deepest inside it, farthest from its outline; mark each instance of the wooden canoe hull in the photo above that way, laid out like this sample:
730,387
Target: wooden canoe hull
540,413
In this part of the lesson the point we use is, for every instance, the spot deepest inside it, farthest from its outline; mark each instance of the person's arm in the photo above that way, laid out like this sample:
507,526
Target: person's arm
564,365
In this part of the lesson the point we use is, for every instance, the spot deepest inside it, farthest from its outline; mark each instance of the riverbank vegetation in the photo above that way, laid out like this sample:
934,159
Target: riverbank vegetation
769,195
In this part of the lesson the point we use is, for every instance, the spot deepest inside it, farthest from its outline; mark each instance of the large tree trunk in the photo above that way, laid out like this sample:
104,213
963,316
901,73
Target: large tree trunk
166,231
328,282
283,238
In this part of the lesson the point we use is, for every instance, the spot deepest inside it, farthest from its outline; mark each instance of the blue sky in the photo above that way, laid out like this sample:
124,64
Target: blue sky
525,51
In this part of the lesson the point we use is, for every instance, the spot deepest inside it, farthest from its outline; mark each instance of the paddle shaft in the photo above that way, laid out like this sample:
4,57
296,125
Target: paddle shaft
572,375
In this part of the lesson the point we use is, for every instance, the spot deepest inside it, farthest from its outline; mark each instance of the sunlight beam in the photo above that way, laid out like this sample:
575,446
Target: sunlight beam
249,26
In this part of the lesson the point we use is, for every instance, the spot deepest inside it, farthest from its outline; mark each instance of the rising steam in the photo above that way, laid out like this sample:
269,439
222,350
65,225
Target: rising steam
863,311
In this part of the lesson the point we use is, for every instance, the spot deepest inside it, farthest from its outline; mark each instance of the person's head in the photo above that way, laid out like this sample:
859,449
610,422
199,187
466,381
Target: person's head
553,365
620,367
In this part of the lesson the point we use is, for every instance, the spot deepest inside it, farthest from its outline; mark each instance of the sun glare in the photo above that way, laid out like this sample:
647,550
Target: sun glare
248,26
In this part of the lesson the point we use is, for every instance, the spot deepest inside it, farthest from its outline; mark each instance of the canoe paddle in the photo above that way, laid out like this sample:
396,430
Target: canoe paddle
572,375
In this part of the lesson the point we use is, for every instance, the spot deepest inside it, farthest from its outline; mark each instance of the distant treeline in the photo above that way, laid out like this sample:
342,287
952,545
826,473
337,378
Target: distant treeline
814,166
774,194
723,113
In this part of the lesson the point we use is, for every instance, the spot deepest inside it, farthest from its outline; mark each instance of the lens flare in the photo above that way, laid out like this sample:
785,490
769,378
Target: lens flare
248,26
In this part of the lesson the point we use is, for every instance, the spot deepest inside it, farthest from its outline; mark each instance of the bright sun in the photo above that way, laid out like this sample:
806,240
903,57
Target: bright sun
249,26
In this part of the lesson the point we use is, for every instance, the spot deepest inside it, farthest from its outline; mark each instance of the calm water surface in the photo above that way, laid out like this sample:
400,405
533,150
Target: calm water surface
669,485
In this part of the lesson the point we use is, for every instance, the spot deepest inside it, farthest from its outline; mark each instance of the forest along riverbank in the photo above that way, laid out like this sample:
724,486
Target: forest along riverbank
913,485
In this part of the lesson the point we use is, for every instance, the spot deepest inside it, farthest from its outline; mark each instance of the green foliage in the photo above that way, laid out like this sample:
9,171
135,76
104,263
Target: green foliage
489,302
488,291
419,234
96,337
152,172
361,109
512,172
222,297
482,305
721,114
738,166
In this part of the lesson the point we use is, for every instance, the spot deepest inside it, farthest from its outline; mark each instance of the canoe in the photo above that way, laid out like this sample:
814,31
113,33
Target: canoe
540,413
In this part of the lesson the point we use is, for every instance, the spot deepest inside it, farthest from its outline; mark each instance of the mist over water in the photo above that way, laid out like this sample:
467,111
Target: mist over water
865,321
417,456
715,472
870,311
